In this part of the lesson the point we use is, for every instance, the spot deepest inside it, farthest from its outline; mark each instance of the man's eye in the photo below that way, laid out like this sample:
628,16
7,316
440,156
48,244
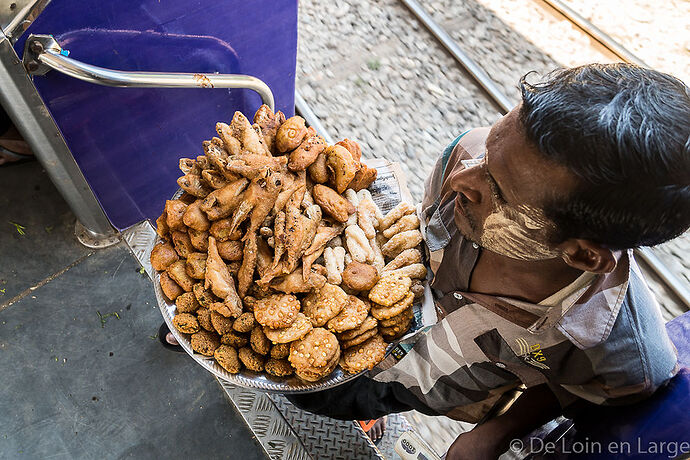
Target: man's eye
493,186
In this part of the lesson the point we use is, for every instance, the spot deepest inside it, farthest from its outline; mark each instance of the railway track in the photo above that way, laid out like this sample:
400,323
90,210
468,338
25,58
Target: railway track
501,102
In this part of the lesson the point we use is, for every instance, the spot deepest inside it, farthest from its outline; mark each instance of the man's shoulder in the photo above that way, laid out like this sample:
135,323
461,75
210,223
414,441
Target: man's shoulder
470,144
638,336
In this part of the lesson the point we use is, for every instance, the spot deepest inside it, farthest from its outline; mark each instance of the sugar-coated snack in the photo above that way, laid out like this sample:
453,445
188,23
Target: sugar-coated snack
380,312
277,310
361,338
298,329
369,323
354,314
322,305
390,289
364,356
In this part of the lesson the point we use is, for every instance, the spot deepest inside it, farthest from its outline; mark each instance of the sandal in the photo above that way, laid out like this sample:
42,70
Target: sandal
368,425
163,331
8,157
13,148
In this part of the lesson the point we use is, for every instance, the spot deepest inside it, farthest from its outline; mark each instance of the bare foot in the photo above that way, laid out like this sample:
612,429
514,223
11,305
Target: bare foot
170,338
13,147
375,433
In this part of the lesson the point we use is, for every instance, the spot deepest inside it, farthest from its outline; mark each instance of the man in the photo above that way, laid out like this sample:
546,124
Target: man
529,229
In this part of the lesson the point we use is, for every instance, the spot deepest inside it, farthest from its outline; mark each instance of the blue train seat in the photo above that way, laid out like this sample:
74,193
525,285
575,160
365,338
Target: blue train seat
657,428
127,141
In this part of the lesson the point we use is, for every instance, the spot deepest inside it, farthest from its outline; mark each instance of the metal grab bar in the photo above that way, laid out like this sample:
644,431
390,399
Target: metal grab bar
44,53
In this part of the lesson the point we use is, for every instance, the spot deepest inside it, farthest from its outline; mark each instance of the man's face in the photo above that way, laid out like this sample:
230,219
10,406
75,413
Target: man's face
499,200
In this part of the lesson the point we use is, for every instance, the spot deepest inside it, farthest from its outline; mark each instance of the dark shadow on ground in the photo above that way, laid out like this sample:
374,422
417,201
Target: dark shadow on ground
84,375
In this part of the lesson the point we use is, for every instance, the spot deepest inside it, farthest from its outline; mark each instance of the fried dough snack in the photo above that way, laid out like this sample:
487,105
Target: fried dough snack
358,244
290,134
352,147
364,356
406,257
213,178
183,245
322,305
332,203
414,271
400,242
269,123
310,148
194,185
174,212
318,172
341,165
276,246
396,213
162,255
360,277
367,213
405,223
240,137
222,202
298,329
390,289
364,177
195,218
295,283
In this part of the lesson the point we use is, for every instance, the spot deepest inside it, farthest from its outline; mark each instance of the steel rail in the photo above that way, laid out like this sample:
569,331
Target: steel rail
310,117
501,101
595,32
666,275
24,105
497,96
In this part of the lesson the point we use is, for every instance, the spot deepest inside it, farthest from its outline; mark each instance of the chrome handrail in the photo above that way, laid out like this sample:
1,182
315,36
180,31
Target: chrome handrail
44,50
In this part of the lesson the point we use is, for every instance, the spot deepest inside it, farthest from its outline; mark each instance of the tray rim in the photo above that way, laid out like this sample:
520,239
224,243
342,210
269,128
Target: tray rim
246,378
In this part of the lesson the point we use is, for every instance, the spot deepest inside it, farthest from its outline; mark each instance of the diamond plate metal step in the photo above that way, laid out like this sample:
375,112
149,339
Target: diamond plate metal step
284,431
287,432
140,238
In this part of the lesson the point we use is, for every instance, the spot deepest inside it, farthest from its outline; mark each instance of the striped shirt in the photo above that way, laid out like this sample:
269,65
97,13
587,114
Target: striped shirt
601,338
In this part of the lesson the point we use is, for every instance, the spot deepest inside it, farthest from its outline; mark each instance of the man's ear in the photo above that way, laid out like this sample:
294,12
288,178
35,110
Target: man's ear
587,256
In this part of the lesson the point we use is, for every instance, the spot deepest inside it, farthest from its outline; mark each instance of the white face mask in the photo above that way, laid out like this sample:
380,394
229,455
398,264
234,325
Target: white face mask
515,232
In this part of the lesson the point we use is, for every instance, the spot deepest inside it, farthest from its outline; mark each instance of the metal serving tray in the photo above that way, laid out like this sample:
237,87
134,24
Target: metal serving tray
245,378
388,189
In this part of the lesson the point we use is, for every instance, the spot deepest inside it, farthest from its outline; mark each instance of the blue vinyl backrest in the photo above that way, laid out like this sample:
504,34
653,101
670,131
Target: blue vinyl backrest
127,141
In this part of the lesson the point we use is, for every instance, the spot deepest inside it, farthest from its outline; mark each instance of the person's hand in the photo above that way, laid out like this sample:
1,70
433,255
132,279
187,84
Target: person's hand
474,445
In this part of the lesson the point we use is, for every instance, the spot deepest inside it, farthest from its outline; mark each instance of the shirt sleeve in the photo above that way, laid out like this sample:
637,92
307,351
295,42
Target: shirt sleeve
433,183
633,362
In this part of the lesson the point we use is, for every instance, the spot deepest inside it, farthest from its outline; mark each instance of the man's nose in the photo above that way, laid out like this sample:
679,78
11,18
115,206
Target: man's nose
469,182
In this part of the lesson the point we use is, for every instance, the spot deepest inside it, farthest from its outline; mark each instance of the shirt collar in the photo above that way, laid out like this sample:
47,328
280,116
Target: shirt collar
587,315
